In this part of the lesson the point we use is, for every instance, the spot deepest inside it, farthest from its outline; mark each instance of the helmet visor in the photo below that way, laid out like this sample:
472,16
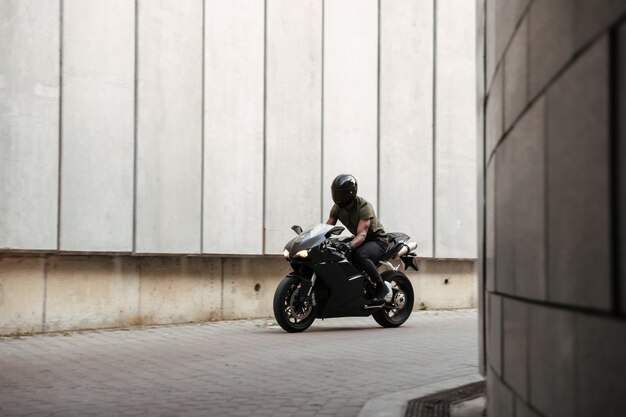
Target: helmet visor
342,197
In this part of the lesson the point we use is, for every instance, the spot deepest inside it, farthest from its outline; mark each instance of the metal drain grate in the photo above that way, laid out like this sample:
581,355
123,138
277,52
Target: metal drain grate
438,405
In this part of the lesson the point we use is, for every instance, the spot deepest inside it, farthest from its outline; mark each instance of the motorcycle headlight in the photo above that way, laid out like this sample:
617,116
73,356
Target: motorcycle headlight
286,253
302,254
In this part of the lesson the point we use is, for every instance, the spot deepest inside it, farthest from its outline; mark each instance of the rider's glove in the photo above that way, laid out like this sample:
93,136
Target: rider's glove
345,248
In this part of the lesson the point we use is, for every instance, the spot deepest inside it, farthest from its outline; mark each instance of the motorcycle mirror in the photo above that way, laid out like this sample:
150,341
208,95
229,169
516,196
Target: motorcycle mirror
296,229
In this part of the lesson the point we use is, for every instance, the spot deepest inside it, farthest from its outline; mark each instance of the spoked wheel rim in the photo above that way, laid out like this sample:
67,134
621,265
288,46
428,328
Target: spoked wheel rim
295,312
290,313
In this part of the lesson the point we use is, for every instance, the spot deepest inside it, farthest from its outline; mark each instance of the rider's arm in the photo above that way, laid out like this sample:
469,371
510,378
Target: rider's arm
361,232
333,216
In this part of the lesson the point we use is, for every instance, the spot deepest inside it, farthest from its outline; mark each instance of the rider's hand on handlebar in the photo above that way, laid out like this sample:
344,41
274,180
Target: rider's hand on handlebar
345,248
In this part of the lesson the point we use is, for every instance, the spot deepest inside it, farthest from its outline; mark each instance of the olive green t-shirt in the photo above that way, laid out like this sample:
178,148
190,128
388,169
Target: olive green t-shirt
362,209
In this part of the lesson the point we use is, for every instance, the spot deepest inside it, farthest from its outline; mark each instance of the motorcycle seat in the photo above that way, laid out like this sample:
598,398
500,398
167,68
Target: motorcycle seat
394,244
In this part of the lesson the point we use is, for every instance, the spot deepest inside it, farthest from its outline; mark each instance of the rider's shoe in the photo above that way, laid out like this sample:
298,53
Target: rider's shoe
381,292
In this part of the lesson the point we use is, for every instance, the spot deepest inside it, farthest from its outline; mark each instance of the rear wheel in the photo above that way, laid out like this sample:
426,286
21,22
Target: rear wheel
398,311
290,313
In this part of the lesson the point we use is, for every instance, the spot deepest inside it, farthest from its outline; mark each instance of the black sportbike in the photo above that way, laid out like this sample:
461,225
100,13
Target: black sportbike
324,283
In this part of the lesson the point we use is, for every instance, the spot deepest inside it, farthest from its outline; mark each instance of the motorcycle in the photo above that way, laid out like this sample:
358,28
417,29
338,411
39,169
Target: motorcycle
325,283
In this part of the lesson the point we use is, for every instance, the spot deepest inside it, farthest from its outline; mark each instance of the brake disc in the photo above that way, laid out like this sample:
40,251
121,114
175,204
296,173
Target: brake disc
305,307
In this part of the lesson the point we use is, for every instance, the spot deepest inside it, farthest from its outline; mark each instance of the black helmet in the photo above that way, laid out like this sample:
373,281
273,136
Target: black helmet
344,189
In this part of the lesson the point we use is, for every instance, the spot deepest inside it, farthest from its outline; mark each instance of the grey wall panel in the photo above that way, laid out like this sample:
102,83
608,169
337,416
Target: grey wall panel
233,145
406,120
350,96
169,127
578,185
293,117
29,123
97,126
455,131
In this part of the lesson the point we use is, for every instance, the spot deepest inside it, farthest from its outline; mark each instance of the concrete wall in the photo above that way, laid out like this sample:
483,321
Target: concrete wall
29,124
554,233
212,127
169,127
233,127
209,128
293,119
406,111
455,130
47,293
97,118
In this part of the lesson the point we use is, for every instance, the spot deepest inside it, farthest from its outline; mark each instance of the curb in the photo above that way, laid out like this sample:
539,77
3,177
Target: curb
394,405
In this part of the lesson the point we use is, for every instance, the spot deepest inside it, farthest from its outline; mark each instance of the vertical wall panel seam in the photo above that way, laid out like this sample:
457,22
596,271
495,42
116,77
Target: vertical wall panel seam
614,167
60,147
139,270
202,132
222,288
527,364
378,113
483,205
135,125
434,131
322,119
576,366
501,338
546,202
44,316
527,63
263,232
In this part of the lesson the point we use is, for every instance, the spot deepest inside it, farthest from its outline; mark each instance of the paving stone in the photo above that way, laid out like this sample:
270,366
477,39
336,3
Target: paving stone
515,345
527,139
237,368
499,397
551,40
516,75
601,367
505,221
552,361
578,183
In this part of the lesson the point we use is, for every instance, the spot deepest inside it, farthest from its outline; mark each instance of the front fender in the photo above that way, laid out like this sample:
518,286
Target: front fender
305,283
297,275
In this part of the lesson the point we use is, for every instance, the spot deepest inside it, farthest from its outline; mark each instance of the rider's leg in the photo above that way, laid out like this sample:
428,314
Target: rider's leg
366,257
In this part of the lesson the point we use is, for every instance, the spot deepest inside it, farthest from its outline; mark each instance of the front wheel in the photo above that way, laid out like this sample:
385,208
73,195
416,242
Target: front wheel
290,313
398,311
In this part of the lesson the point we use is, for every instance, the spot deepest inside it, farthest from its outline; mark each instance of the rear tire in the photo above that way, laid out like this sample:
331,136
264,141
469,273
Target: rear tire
291,315
402,300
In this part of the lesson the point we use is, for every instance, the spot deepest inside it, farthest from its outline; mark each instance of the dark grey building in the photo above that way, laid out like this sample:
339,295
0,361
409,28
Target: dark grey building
554,213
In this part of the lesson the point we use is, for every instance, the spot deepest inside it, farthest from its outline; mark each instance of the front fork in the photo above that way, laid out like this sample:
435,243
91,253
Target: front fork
306,287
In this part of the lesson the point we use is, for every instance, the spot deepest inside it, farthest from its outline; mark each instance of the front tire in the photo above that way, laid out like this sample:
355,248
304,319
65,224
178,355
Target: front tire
401,302
290,314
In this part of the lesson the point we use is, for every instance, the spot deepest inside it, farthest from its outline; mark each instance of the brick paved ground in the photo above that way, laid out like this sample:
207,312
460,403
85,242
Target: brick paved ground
242,368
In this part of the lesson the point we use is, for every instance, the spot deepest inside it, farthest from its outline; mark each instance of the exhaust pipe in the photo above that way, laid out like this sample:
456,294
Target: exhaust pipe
407,247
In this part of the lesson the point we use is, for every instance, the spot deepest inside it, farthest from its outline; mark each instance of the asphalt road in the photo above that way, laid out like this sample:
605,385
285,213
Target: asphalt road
238,368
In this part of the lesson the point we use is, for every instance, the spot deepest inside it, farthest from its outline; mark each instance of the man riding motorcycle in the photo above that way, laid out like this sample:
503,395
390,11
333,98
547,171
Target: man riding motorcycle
370,239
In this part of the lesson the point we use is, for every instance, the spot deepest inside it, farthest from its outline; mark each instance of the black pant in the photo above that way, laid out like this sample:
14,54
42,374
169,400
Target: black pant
367,255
